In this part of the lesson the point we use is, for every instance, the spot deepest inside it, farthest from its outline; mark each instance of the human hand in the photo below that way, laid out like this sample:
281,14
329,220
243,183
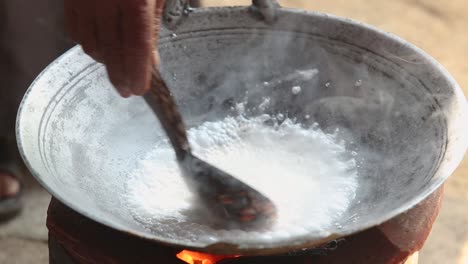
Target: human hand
121,34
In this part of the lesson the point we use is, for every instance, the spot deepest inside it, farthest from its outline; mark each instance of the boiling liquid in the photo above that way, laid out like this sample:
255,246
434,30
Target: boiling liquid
306,173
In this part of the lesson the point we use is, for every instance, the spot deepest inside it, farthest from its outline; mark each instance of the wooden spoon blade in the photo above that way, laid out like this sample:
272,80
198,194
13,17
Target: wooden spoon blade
227,197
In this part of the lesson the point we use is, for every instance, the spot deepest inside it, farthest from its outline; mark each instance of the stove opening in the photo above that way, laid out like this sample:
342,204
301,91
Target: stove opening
192,257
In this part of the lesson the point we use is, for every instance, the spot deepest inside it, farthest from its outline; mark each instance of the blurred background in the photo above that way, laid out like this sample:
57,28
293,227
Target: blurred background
32,35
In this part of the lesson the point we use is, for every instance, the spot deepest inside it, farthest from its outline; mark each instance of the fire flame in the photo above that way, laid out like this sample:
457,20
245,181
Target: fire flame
192,257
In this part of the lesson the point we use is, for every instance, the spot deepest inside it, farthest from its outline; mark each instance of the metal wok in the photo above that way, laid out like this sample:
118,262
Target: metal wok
81,140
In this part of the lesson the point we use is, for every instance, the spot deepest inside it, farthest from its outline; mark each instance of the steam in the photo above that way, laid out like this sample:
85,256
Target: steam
382,104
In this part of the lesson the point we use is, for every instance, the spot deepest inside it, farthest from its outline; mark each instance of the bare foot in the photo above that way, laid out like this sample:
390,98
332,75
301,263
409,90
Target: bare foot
9,185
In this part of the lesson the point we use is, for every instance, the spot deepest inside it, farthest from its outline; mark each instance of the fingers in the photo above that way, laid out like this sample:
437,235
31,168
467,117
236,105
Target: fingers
110,43
138,31
158,12
121,34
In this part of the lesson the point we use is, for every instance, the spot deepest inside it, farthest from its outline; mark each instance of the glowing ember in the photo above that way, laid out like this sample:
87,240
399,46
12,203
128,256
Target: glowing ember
192,257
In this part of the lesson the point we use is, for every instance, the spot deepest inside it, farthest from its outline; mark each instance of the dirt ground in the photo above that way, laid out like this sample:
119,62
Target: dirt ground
438,27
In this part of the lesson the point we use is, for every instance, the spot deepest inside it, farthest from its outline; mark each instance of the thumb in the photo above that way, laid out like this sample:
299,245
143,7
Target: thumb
158,13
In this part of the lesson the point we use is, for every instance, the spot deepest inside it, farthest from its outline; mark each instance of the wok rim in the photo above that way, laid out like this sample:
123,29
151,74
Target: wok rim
279,246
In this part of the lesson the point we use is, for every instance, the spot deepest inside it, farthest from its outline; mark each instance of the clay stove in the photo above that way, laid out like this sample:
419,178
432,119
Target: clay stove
76,239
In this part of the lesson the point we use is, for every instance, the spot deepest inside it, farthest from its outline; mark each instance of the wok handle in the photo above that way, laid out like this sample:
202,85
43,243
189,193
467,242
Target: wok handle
174,10
162,103
267,9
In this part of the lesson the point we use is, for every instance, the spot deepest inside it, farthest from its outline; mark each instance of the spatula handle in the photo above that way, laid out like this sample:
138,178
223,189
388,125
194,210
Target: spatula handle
162,103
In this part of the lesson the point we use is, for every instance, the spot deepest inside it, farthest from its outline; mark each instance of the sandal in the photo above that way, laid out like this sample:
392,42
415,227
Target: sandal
10,196
10,204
